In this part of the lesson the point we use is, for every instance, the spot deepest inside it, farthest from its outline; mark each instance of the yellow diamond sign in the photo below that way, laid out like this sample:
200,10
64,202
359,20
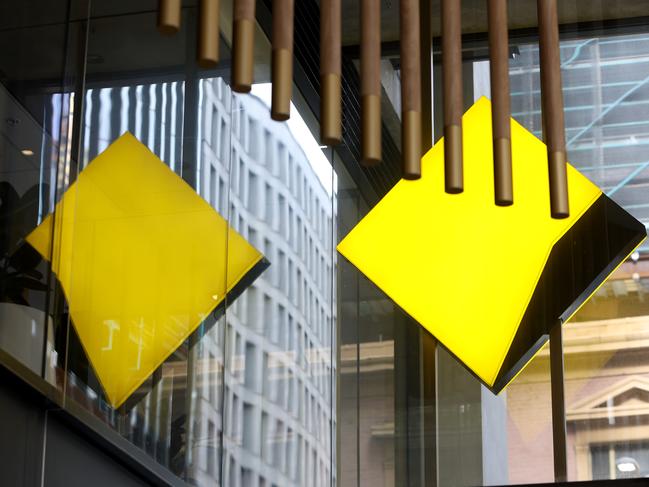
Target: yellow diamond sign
142,259
487,281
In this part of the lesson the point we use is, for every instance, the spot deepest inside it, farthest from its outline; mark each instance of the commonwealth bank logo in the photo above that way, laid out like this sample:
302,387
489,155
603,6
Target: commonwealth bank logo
490,281
142,259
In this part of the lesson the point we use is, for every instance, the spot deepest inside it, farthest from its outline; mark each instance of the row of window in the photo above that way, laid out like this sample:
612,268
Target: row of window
309,250
277,388
279,446
311,471
269,202
281,373
281,163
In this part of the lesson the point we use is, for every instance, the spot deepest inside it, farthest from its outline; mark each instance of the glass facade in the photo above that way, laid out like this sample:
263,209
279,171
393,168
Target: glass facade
605,87
248,397
298,371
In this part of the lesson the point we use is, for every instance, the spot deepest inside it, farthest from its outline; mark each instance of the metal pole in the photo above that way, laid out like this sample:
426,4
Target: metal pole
330,73
428,343
426,62
410,89
169,13
558,405
500,110
208,33
370,82
453,103
243,42
552,99
282,62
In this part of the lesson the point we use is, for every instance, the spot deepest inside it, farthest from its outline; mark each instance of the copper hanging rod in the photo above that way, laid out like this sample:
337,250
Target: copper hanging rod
552,109
500,111
208,33
169,13
330,73
243,40
370,82
453,102
410,89
282,59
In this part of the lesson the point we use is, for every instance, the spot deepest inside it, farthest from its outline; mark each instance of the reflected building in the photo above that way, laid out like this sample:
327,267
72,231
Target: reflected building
311,376
606,378
268,421
605,91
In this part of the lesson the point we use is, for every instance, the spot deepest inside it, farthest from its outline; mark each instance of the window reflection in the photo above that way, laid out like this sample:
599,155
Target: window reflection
606,87
32,148
248,398
278,395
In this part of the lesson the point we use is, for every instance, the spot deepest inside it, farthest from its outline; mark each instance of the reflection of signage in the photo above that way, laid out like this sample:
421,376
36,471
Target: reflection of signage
488,281
142,261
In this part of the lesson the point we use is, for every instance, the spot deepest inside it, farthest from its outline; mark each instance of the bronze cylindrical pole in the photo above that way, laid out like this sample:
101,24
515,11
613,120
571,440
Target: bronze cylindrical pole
243,43
410,89
330,73
208,33
426,63
453,101
370,82
169,16
557,385
282,62
500,110
552,100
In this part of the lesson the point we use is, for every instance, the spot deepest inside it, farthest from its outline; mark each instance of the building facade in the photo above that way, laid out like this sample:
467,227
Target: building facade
301,372
267,418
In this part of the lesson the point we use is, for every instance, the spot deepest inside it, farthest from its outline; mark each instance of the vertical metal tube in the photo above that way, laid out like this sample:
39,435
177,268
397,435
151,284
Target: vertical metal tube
330,72
500,111
558,405
453,101
552,99
428,348
169,16
208,33
243,43
370,82
426,63
410,89
282,62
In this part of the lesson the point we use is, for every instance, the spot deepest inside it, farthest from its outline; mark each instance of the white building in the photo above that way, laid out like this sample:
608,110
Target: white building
277,399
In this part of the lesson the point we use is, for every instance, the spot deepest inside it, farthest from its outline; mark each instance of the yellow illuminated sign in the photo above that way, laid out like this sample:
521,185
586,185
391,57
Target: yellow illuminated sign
488,281
142,259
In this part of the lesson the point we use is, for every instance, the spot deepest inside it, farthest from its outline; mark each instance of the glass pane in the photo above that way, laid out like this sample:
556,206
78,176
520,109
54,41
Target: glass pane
190,245
529,423
350,208
279,332
38,99
605,88
374,413
144,233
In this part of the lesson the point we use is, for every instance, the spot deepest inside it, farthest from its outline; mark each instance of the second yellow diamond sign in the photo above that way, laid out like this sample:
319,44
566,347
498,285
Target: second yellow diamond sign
488,281
143,261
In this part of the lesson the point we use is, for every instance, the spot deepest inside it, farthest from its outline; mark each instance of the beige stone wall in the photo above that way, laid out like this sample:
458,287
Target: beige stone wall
606,372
